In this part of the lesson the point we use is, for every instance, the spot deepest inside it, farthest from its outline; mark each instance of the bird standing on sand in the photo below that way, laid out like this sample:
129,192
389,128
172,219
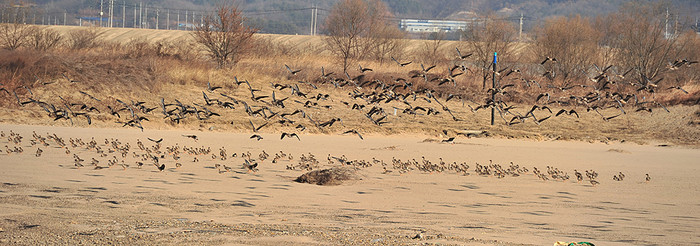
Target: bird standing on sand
579,177
647,178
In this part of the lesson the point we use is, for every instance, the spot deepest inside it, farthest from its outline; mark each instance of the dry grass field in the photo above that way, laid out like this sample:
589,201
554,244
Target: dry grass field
58,188
130,72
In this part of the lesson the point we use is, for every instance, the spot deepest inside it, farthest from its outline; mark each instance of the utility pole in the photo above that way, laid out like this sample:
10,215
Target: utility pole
145,12
675,28
101,13
311,24
177,26
109,12
666,28
140,14
64,17
135,16
520,34
185,20
124,14
493,86
167,21
157,18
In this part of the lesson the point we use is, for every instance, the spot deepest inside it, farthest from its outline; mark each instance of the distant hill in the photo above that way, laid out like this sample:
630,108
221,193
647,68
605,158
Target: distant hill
294,16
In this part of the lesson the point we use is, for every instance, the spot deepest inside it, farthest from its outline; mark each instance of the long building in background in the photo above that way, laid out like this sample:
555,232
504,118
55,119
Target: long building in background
422,26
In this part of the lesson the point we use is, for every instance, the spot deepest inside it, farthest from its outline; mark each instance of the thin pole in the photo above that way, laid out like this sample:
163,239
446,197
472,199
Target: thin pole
111,13
140,14
109,19
145,12
64,17
315,19
157,18
311,24
123,14
493,85
666,25
135,15
185,20
178,20
167,22
101,2
520,34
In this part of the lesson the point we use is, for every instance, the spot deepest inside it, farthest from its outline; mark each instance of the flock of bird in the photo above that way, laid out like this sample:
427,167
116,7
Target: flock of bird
118,154
420,93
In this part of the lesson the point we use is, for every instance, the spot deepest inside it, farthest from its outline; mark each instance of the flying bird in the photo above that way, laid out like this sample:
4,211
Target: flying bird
679,88
256,137
460,56
403,64
548,59
353,131
155,141
255,129
289,135
212,88
69,79
365,69
293,72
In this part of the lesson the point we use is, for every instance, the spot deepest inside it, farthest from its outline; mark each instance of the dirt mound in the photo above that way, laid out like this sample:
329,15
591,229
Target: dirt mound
331,176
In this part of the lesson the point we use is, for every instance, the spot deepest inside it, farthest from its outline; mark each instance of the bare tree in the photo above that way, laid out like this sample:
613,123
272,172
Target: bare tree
357,28
572,41
431,50
84,38
45,39
15,35
483,39
224,34
390,43
643,44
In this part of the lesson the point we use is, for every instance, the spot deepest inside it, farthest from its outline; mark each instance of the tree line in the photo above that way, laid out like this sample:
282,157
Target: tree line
636,39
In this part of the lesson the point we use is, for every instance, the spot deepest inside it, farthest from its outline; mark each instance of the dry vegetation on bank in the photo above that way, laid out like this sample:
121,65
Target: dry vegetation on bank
147,65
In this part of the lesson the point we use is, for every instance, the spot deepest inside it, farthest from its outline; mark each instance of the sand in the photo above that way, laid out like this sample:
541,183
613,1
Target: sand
46,200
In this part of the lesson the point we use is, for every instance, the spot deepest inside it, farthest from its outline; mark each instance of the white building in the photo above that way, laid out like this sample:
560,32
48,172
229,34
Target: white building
418,26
